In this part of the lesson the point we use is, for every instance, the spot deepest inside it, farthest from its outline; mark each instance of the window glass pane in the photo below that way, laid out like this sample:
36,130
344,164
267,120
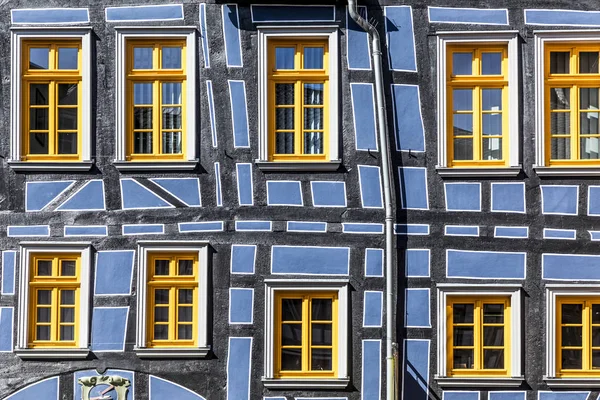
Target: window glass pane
67,297
321,360
492,124
559,62
171,118
67,333
161,296
142,93
171,57
67,94
291,359
291,334
44,297
493,336
38,119
284,118
67,58
171,143
186,267
142,142
560,123
67,268
313,93
595,359
38,143
588,98
43,315
44,268
493,313
185,314
462,313
492,149
571,313
596,336
67,314
322,309
284,94
38,57
284,57
313,118
588,62
560,98
571,335
67,118
186,296
595,313
291,309
313,142
560,149
462,63
67,143
38,94
493,359
463,336
161,267
313,57
161,332
492,99
491,63
161,314
463,124
284,143
571,359
321,335
171,93
588,123
462,99
463,359
142,118
142,58
184,332
42,333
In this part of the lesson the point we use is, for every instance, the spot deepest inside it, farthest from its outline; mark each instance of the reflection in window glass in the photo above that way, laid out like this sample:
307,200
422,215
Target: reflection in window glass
142,57
462,63
284,57
313,57
39,58
68,58
559,62
171,57
491,63
588,62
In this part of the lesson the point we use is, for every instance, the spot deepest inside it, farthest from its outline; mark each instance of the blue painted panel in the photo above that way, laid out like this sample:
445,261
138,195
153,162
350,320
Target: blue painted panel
560,199
370,187
307,260
583,267
408,121
89,197
457,395
371,370
50,16
507,395
508,197
241,302
417,308
211,110
243,258
328,194
283,13
357,41
162,12
253,225
456,230
563,395
238,368
162,389
297,226
485,264
185,189
108,328
363,112
413,188
110,264
559,233
562,17
593,200
97,230
400,38
210,226
218,192
95,392
6,329
39,194
516,232
468,16
24,231
284,193
374,262
231,32
135,196
373,309
204,36
463,196
417,262
9,262
594,235
362,228
411,229
239,114
244,183
44,389
143,229
416,369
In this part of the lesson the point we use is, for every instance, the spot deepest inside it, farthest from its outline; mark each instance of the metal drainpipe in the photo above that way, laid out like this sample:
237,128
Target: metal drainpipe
387,192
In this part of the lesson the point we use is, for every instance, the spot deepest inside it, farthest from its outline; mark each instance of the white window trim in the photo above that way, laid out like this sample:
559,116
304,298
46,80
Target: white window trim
156,246
27,250
451,290
541,38
510,39
266,33
17,36
274,286
123,34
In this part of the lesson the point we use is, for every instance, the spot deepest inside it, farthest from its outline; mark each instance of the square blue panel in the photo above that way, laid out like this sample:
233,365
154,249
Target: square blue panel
284,193
373,309
561,200
109,327
417,308
114,271
374,262
417,263
508,197
463,196
328,194
243,258
241,303
413,188
416,369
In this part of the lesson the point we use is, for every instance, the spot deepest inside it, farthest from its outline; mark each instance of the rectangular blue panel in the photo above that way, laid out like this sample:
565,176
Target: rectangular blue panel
210,226
143,229
239,114
417,308
204,36
559,233
508,197
284,13
231,33
357,43
416,369
411,229
594,235
562,17
243,258
477,16
307,260
98,230
463,196
241,302
458,395
408,120
413,188
6,329
328,194
373,309
9,262
513,232
560,200
109,327
109,266
374,262
25,231
485,264
238,368
218,191
400,38
297,226
594,200
457,230
570,267
371,370
362,228
253,226
284,193
417,263
507,395
363,113
244,184
159,12
370,187
211,110
563,395
50,16
39,194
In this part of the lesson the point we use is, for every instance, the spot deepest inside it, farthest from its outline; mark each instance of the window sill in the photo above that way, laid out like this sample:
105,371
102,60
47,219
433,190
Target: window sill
465,381
298,166
567,171
52,354
152,166
50,166
459,172
315,383
581,383
172,352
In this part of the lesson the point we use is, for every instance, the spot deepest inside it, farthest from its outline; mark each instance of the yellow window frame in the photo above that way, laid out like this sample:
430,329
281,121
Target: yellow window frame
477,82
297,76
173,282
478,345
157,75
53,77
306,345
55,283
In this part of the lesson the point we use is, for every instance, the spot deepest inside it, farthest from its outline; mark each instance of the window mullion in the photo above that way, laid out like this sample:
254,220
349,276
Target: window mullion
156,105
172,312
305,334
52,118
586,340
477,127
54,310
298,117
575,123
477,339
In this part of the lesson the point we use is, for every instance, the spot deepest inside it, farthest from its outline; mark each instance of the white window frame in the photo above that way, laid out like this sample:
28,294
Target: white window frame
145,248
123,34
29,249
486,290
17,36
275,286
266,33
504,38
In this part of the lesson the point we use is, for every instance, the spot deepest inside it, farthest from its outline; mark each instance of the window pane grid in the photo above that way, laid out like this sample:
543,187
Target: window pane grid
578,340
